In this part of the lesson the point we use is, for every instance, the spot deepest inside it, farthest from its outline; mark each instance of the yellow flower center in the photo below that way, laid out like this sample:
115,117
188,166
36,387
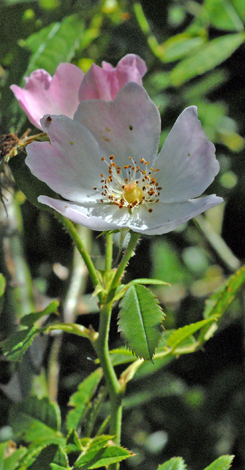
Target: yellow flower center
130,186
132,192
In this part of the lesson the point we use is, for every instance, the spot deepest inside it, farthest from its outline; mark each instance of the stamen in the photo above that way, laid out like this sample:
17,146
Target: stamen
125,190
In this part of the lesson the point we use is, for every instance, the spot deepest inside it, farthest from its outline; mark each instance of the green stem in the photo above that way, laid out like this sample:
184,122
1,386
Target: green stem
109,251
113,386
82,250
125,259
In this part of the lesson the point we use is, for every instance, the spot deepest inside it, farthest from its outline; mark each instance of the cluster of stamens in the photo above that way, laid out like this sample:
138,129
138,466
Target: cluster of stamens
138,187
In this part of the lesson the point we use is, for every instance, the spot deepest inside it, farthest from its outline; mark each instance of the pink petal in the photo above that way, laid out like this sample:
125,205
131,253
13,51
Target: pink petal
43,94
126,127
187,160
104,83
71,163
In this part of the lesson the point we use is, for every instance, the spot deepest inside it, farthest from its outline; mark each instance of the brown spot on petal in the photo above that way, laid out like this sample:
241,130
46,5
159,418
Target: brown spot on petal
49,119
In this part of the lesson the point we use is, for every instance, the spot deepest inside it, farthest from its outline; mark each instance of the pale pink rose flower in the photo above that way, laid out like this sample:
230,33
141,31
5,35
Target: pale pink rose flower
105,164
104,83
61,94
43,94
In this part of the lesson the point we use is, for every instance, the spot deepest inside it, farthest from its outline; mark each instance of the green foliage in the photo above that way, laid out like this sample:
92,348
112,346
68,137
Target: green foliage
140,308
54,44
100,452
2,285
206,58
37,421
11,462
16,345
53,456
223,15
176,463
222,463
81,399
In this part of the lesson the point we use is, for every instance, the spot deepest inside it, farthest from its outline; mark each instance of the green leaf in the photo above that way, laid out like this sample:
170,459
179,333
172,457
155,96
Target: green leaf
176,463
3,448
16,345
180,335
81,399
2,285
222,463
11,462
209,56
220,300
29,320
37,421
223,15
140,321
31,186
121,356
50,457
54,44
179,46
101,452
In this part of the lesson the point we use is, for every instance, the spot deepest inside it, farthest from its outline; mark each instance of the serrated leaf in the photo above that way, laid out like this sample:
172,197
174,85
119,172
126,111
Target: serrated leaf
101,452
31,318
30,186
16,345
209,56
54,44
176,463
182,334
140,321
37,421
222,463
2,284
80,399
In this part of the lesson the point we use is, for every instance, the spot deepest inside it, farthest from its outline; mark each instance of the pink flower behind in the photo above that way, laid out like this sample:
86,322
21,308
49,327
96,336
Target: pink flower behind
44,94
61,94
104,83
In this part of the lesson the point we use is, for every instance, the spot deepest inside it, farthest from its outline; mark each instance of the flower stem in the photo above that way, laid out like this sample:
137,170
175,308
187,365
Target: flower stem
109,251
125,259
82,250
113,386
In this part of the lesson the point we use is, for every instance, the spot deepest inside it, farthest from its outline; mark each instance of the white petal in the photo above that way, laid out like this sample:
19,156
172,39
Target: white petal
167,217
71,164
187,160
77,214
129,126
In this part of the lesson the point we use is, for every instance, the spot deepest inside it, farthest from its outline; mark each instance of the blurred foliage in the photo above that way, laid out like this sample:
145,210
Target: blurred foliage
194,50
